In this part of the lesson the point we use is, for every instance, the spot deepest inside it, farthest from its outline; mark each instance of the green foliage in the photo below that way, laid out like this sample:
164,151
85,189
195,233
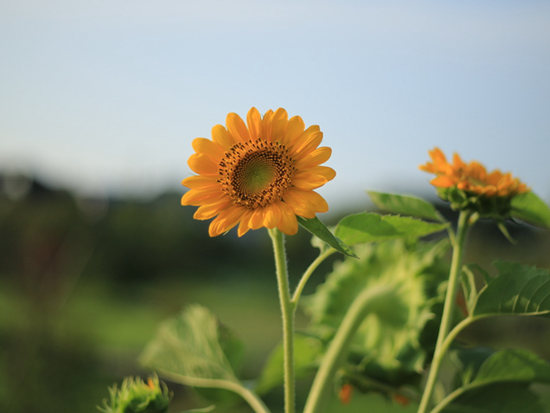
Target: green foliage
387,345
317,228
530,208
501,384
194,349
512,366
499,397
372,227
137,396
405,205
307,351
518,289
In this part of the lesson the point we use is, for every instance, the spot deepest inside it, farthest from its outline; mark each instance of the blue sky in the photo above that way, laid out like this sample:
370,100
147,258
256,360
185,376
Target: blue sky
106,96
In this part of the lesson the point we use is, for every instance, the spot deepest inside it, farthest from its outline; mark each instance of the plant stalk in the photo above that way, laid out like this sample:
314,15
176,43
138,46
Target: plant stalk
287,313
366,302
448,309
307,274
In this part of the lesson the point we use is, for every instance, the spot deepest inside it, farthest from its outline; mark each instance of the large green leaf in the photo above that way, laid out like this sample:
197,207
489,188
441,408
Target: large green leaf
499,397
372,227
196,350
518,289
529,207
386,346
307,351
191,345
504,374
514,366
320,230
405,205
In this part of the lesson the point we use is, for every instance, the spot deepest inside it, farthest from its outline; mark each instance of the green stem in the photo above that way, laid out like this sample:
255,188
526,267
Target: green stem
365,302
287,312
251,398
448,310
312,267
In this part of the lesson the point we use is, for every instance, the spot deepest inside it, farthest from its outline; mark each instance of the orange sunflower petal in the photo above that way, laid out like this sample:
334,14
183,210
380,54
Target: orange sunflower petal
267,121
442,181
317,157
211,210
272,216
254,121
305,203
279,124
257,218
199,181
200,197
226,220
237,127
222,137
288,223
308,144
314,177
202,164
211,149
294,129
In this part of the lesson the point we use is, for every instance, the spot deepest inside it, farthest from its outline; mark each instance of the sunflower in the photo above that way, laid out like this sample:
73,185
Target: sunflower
258,174
471,177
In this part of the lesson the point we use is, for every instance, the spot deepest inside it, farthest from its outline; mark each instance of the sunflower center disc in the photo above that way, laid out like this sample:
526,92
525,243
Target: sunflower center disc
256,173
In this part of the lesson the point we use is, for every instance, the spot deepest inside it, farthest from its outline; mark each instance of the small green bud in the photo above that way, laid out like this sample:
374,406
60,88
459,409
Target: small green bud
138,396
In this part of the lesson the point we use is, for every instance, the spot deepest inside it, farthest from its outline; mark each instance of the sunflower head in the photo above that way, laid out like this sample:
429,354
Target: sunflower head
470,186
261,173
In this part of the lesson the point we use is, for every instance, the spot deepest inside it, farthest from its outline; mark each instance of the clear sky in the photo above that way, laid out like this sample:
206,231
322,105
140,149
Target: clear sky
105,96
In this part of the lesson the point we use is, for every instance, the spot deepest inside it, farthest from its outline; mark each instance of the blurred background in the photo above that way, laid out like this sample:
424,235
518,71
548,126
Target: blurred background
99,102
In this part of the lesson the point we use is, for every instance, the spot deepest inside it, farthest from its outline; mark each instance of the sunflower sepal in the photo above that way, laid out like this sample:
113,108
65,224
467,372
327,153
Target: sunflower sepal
498,208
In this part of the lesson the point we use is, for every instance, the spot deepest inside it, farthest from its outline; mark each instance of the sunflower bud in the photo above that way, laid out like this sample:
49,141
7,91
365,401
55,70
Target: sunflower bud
138,396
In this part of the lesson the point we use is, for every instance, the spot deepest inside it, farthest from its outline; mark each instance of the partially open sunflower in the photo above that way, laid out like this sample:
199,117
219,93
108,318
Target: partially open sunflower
471,177
258,174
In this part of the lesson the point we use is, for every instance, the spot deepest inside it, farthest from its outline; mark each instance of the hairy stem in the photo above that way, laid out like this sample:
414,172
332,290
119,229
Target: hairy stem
365,302
287,313
312,267
448,310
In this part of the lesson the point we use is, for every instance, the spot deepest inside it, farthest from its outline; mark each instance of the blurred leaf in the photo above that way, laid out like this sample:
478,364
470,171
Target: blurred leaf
386,346
509,370
513,365
530,208
518,289
372,227
307,350
405,205
317,228
195,350
500,397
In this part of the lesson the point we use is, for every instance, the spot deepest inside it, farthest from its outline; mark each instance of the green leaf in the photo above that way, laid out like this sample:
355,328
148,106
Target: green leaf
530,208
307,350
196,350
514,366
500,397
405,205
504,374
386,346
372,227
518,289
317,228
